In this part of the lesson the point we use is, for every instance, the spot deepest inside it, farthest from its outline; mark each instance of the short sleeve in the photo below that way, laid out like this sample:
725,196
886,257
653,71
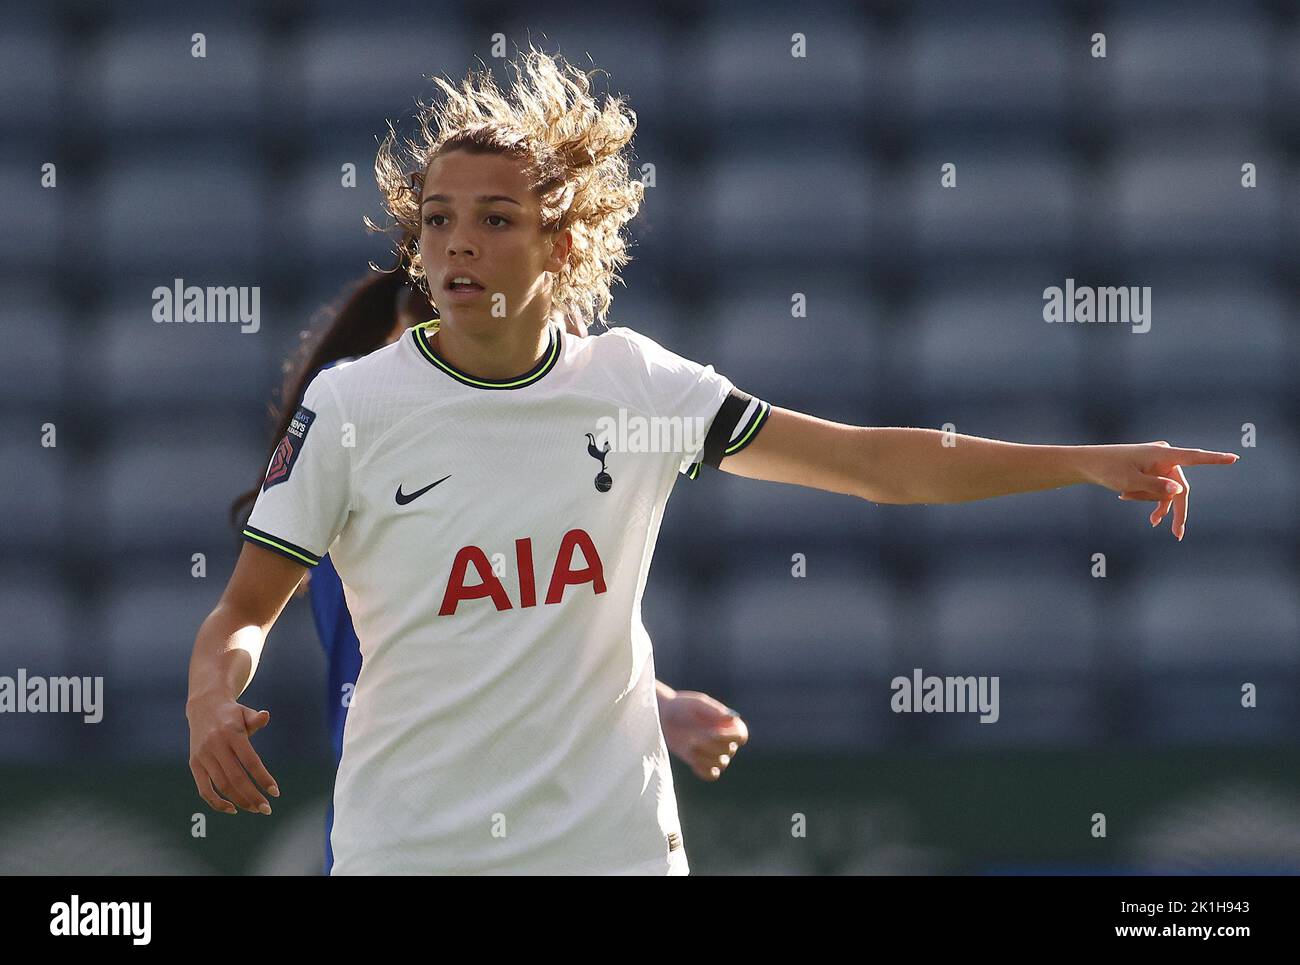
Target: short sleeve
726,419
307,489
738,420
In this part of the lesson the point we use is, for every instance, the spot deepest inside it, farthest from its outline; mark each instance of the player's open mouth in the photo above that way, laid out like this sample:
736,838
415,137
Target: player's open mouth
463,287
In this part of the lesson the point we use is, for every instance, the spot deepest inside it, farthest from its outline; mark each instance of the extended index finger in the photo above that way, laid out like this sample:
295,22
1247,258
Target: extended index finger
1202,457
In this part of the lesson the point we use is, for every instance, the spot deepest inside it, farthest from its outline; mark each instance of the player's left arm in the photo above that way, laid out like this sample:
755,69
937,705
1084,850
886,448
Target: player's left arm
911,465
701,731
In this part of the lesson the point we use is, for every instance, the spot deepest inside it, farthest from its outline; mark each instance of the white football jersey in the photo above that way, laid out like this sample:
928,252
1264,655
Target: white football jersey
494,538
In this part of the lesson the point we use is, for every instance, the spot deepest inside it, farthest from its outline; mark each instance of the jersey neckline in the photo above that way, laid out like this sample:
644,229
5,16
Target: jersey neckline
420,333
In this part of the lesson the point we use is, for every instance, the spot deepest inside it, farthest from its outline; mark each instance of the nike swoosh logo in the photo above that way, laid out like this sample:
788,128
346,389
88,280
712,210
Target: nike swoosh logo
404,498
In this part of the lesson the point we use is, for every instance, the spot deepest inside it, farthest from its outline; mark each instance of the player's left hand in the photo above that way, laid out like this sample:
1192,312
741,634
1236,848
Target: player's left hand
702,732
1151,471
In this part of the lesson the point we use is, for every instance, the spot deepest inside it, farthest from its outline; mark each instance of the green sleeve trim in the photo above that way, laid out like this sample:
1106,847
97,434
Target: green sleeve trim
283,547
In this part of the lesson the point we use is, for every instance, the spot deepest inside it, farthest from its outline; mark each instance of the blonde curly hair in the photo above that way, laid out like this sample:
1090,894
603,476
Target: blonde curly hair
575,153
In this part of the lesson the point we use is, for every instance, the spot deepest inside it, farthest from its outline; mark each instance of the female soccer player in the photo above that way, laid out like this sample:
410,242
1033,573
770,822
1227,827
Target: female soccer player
491,490
375,312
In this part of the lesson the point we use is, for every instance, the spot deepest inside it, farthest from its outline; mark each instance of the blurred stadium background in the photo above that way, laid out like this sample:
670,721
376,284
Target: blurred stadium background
774,175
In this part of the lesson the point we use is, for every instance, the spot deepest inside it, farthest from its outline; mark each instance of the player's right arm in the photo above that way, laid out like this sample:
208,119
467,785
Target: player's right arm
302,507
226,651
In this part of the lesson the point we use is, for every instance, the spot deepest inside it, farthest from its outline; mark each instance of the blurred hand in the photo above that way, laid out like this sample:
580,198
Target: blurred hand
1150,471
701,732
222,756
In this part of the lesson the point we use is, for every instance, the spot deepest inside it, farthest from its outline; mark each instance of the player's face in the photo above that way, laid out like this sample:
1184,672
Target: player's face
480,218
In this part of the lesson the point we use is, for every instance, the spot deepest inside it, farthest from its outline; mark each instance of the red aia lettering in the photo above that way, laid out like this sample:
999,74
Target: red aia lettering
592,573
457,590
562,574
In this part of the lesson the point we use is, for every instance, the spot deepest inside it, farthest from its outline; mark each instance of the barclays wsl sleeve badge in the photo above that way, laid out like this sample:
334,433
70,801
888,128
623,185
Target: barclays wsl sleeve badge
286,453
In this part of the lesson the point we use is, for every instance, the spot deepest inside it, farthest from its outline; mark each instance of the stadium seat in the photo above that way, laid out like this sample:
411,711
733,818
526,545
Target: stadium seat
1219,614
652,315
165,481
1182,198
749,74
1208,335
1291,210
148,79
336,56
1180,711
35,367
1004,69
29,89
1028,618
1010,200
145,625
1288,91
972,340
824,363
1205,61
996,609
838,622
331,216
40,614
148,363
36,481
663,219
783,207
200,207
34,215
1201,630
149,618
807,657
